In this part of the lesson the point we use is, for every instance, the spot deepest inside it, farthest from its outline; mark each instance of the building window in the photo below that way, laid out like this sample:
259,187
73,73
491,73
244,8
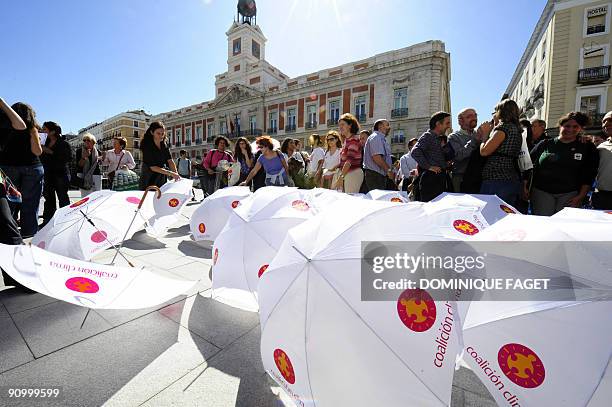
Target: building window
136,135
256,50
544,50
198,134
188,135
222,128
252,124
135,123
334,111
291,117
210,132
179,136
534,66
400,98
170,136
360,108
273,121
237,47
596,20
311,113
589,104
398,137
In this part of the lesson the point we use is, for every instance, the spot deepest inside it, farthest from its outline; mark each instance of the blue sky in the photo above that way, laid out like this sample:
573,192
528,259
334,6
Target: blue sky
77,62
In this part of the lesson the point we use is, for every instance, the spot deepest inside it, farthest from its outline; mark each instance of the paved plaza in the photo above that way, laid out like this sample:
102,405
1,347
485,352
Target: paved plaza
190,351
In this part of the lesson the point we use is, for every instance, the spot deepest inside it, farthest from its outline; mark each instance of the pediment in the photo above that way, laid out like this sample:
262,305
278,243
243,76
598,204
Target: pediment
236,94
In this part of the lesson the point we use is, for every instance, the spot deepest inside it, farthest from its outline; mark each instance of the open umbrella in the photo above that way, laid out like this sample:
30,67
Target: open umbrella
93,224
174,196
584,214
253,234
210,217
391,196
493,208
88,284
327,347
540,353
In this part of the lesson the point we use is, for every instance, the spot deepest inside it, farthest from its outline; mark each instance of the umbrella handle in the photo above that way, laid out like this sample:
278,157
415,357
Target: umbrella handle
144,196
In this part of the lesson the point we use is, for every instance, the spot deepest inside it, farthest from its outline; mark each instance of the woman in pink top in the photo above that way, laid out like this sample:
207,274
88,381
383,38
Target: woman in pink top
351,175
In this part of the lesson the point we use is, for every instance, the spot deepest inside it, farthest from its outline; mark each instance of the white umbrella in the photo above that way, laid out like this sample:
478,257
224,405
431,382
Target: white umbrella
92,224
540,353
210,217
327,347
174,196
391,196
253,234
88,284
584,214
493,208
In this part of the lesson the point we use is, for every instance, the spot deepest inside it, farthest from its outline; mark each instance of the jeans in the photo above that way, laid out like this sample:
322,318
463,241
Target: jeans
29,181
55,183
508,191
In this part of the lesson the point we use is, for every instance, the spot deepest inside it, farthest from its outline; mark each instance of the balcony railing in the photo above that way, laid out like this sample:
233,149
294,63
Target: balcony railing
198,141
594,29
332,122
594,75
399,112
187,142
177,144
290,128
272,130
253,132
361,118
311,125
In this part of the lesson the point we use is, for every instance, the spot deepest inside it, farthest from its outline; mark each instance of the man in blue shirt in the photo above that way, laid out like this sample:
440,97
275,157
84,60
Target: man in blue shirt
432,158
377,157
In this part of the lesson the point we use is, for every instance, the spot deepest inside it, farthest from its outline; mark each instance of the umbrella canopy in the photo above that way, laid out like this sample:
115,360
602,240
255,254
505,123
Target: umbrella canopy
92,224
493,208
364,353
584,214
253,234
540,353
88,284
174,196
211,216
391,196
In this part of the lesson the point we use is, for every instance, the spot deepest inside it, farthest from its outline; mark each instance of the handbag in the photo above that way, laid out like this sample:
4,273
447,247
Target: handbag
111,175
125,180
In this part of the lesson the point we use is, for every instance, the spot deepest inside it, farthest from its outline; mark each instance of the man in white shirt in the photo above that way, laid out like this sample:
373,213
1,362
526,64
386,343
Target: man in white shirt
408,166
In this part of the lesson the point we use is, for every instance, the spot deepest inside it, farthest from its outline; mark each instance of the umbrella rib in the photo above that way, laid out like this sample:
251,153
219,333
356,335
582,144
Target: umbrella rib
283,296
378,336
305,336
599,381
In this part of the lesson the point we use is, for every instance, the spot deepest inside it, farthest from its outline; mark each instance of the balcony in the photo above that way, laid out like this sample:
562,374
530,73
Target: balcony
332,122
253,132
187,142
361,118
311,125
177,144
290,128
198,141
594,75
595,29
272,130
395,113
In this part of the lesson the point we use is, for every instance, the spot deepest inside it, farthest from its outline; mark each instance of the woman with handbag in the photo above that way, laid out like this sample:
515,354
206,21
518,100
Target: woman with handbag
117,159
20,161
156,158
89,177
212,159
272,161
55,158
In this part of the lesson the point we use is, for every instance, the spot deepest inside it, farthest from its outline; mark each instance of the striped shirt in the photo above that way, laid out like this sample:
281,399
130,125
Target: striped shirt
351,153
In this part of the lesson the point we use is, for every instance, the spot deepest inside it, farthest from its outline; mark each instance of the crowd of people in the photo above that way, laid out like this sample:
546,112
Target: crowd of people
512,158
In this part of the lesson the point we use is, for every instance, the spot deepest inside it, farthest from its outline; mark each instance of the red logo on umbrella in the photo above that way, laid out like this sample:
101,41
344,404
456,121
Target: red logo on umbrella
416,309
82,285
396,199
262,270
512,235
79,202
42,245
133,200
216,256
521,365
465,227
300,205
283,363
99,237
235,204
229,172
609,212
202,228
506,209
173,202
